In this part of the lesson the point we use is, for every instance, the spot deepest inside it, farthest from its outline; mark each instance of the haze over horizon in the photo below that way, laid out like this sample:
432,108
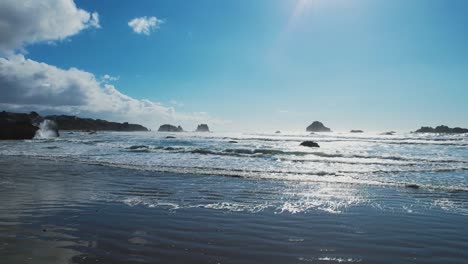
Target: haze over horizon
239,65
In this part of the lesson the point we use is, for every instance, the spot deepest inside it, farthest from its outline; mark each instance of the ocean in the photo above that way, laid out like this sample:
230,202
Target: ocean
149,197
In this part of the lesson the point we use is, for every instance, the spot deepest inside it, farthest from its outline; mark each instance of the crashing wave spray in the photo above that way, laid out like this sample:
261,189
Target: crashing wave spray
47,129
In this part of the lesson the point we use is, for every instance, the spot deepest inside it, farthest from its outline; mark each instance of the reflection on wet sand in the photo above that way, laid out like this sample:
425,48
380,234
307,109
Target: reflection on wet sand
58,212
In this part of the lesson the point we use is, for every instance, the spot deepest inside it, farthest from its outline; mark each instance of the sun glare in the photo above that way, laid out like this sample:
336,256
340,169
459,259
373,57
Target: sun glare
302,6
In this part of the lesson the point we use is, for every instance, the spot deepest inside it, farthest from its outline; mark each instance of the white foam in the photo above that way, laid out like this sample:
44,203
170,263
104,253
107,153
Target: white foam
47,129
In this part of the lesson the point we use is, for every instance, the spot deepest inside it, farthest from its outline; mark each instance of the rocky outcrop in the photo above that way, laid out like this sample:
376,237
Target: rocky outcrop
356,131
170,128
278,132
317,126
203,128
442,129
16,126
65,122
389,133
310,144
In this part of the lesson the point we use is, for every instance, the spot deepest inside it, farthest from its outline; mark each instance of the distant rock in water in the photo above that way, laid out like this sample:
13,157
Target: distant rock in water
170,137
412,186
356,131
138,147
65,122
310,144
170,128
16,126
442,129
232,141
203,128
390,133
278,132
317,126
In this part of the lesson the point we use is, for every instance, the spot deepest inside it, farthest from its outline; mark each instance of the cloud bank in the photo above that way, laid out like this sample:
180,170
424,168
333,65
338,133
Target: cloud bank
28,85
24,22
25,83
145,25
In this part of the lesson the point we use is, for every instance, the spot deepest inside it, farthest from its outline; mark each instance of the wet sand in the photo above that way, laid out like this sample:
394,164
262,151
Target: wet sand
60,212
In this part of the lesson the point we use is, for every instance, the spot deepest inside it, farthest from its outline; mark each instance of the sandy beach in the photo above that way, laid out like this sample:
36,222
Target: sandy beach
60,212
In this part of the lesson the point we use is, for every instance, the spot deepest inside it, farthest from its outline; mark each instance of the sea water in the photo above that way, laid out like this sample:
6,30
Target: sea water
435,164
234,198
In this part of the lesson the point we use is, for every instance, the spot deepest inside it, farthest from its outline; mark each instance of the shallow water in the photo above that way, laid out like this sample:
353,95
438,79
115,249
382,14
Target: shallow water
199,199
428,161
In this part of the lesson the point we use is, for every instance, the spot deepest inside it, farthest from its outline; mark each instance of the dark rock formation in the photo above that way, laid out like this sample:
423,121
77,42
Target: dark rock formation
311,144
356,131
459,130
442,129
232,141
390,133
317,126
170,128
138,147
169,137
18,125
412,186
278,132
65,122
203,128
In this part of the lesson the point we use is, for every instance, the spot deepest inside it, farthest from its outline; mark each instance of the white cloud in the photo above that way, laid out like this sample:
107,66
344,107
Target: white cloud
106,78
94,21
24,22
145,25
27,84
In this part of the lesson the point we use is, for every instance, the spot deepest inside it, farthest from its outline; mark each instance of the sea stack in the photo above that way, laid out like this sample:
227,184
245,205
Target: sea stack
170,128
317,126
356,131
203,128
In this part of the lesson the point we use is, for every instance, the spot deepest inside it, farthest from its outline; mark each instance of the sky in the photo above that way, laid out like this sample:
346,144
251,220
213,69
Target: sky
239,65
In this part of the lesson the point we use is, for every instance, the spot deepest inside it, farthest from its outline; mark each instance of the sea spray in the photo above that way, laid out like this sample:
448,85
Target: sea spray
47,129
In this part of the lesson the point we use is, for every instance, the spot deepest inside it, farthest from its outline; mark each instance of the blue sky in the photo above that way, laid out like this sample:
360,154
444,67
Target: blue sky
281,64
